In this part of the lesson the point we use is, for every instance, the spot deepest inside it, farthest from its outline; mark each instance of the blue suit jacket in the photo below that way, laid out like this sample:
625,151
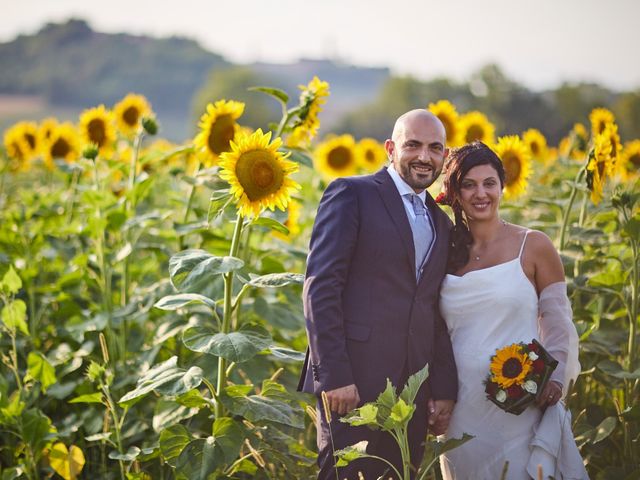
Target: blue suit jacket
367,319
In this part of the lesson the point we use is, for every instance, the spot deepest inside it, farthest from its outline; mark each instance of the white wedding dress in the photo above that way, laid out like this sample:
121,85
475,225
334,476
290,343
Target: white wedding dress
486,310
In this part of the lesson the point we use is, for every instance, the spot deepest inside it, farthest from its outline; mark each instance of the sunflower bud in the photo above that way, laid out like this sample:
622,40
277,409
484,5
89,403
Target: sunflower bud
90,152
150,125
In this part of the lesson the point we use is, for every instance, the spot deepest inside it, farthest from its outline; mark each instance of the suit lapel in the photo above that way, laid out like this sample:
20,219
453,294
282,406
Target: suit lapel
397,212
441,247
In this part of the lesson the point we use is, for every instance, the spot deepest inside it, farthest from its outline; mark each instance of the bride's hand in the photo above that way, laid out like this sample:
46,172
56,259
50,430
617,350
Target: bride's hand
551,394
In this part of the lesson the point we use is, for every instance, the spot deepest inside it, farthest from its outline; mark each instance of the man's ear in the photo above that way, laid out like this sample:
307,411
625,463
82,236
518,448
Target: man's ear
446,153
389,146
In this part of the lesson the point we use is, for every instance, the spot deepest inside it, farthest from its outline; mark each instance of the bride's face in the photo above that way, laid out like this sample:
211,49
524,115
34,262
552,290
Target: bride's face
480,192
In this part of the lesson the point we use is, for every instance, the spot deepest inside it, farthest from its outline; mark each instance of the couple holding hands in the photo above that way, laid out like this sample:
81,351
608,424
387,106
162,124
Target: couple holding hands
392,284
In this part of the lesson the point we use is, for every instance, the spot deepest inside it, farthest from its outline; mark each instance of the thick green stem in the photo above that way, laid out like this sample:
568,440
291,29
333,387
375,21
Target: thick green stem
227,313
567,212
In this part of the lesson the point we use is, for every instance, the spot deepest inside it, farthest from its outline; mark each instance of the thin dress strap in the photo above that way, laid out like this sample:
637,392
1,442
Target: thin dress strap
523,242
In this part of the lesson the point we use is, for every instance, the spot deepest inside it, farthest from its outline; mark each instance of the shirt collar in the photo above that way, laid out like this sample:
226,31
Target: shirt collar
401,185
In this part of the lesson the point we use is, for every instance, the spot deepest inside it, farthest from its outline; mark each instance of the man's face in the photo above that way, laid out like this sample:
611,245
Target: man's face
418,151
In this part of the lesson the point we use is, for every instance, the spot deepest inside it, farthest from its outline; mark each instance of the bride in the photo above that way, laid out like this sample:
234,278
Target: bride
505,285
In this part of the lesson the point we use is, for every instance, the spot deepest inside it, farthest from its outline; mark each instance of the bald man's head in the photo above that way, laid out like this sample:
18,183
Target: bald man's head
417,148
420,115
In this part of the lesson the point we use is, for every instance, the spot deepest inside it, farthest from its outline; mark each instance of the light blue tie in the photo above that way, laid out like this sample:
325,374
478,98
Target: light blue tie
422,232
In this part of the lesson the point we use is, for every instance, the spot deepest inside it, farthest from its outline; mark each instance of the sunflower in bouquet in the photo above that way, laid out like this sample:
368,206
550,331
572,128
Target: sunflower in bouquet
517,374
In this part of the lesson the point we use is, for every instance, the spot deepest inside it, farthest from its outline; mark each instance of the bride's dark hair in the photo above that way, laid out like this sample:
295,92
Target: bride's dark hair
459,162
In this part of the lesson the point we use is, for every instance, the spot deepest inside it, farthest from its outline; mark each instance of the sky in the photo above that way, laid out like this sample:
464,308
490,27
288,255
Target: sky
537,43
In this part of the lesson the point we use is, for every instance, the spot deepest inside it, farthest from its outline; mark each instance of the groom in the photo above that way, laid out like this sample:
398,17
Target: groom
377,255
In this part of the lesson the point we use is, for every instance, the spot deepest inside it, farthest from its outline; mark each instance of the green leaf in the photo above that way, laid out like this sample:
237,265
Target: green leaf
169,412
174,302
14,316
173,441
229,436
280,315
615,370
166,378
37,429
257,408
199,459
39,369
130,456
351,453
402,412
271,224
193,270
95,397
442,447
632,227
277,280
11,283
365,415
276,93
606,428
237,346
287,354
415,381
613,278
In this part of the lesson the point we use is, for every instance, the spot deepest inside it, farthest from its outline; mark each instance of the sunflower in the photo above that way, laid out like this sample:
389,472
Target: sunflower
45,129
611,131
62,143
258,173
600,167
449,117
96,127
599,118
476,126
510,366
336,157
537,145
218,128
629,164
18,148
370,154
129,112
517,166
313,96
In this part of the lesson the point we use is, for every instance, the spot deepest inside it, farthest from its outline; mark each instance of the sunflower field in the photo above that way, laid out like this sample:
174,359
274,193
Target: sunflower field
150,293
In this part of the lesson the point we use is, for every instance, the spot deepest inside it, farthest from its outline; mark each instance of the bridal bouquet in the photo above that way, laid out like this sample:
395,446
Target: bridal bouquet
518,374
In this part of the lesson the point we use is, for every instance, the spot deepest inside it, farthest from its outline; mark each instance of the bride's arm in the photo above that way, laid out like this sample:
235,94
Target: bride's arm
555,322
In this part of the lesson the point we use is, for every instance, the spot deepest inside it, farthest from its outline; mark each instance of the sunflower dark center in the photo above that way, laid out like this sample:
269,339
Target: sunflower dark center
512,167
369,156
31,140
511,368
131,116
339,158
97,131
222,132
601,126
259,173
474,132
635,160
60,148
535,148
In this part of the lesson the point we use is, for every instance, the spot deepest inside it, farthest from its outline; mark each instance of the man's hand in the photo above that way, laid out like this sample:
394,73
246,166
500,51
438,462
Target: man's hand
343,399
439,415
